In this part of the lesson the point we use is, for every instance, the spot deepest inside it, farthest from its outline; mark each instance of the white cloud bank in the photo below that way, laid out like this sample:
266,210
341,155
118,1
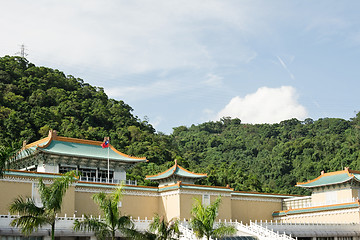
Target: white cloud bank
266,105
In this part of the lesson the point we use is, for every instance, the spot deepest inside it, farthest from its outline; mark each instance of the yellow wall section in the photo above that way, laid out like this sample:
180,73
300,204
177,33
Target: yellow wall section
173,204
186,203
327,217
68,206
84,205
187,200
261,209
170,205
10,191
139,206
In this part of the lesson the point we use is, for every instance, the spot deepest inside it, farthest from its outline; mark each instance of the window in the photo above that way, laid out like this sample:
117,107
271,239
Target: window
88,174
35,195
331,197
206,200
65,169
103,175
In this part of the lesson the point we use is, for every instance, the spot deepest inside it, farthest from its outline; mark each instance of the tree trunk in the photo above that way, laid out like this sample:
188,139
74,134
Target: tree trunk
113,235
53,231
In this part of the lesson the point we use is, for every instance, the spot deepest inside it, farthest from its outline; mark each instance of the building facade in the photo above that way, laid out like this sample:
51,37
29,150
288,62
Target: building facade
334,199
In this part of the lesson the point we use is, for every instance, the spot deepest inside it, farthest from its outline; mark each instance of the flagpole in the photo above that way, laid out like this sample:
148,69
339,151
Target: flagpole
108,162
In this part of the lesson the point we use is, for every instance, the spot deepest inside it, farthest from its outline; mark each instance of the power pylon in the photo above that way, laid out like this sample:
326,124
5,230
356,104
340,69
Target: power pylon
22,52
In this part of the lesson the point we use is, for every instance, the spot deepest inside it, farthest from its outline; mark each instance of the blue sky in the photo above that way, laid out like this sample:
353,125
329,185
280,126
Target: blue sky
188,62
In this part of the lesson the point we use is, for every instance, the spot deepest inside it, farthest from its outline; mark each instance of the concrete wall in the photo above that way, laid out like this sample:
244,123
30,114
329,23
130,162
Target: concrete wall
169,205
254,208
139,206
144,203
332,195
10,191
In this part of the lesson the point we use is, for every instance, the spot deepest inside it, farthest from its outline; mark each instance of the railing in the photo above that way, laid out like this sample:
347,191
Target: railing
107,180
268,234
315,229
253,229
331,202
306,202
186,232
64,226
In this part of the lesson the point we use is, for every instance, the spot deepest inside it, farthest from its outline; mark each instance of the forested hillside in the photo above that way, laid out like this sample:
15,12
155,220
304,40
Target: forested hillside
261,157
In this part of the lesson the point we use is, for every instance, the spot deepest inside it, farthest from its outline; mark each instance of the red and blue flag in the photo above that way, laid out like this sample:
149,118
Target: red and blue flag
105,144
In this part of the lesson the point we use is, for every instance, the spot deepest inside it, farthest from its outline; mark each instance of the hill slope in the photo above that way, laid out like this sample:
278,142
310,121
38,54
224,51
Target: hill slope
261,157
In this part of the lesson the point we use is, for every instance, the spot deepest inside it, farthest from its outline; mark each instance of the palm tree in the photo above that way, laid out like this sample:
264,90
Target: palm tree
164,230
203,221
112,220
33,216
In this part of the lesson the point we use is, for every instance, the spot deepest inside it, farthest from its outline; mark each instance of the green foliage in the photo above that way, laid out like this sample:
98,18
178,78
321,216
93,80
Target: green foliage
32,216
269,157
203,221
164,230
35,99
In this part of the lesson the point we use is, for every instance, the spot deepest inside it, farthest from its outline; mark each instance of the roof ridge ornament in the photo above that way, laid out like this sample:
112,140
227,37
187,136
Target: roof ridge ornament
52,134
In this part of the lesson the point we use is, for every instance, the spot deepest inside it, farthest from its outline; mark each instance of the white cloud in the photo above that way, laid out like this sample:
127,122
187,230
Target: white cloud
286,67
266,105
127,37
143,91
213,80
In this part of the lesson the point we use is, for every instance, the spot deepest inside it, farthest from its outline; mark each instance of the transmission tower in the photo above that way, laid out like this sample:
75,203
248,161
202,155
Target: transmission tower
22,52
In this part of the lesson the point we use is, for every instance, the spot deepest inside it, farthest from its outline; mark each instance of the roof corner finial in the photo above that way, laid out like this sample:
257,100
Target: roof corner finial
176,161
52,133
24,144
322,172
346,169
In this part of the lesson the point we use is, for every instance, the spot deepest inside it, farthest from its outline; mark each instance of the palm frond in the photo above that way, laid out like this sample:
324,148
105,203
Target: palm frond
132,233
92,225
25,207
58,190
203,219
117,194
29,224
223,230
125,222
164,229
198,227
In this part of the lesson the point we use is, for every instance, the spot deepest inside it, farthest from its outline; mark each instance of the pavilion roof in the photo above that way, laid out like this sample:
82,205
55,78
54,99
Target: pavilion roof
176,170
332,178
73,147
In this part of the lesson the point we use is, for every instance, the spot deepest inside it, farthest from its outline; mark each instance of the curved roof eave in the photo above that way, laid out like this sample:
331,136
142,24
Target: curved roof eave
95,158
331,178
174,171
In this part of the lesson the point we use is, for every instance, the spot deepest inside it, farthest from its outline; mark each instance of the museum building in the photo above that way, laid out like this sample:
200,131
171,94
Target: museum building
331,212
